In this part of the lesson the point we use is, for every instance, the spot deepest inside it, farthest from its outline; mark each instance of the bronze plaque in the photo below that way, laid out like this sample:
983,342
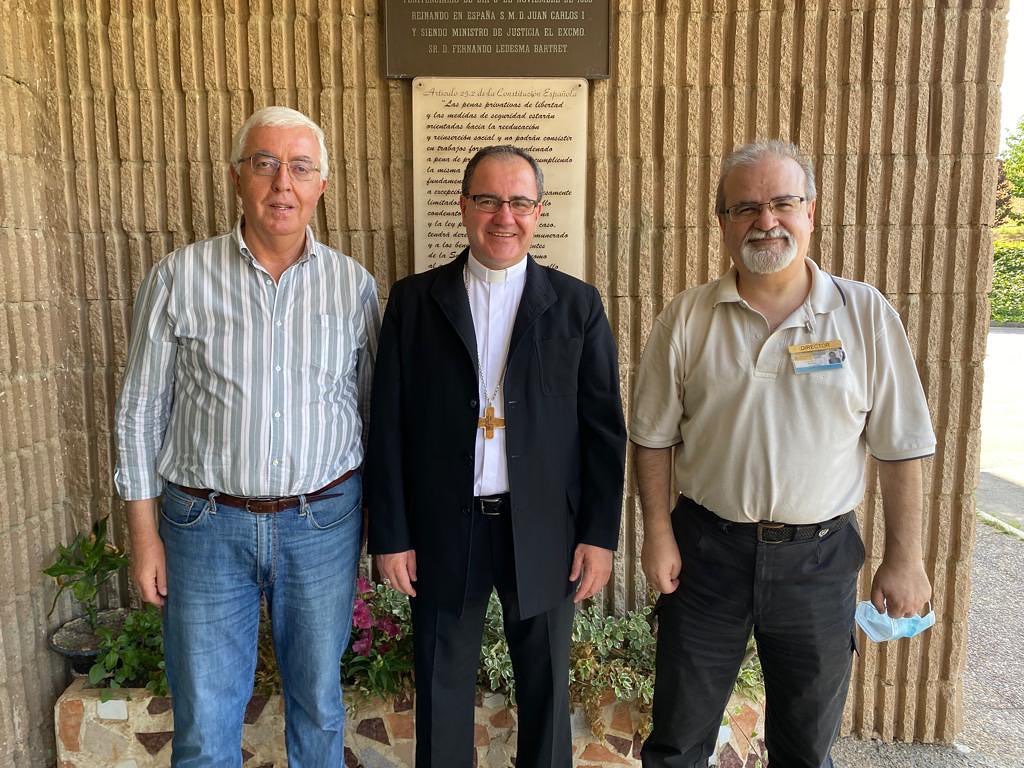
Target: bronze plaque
496,38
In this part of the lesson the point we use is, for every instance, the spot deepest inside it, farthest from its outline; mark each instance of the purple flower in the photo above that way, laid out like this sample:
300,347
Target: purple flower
362,646
387,626
361,615
363,585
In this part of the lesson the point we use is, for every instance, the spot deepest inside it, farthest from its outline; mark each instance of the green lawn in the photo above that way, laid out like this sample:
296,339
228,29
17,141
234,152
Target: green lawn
1007,295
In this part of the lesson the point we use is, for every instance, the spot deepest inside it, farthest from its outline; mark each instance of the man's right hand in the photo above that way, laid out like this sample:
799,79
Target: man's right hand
660,556
149,566
398,570
661,561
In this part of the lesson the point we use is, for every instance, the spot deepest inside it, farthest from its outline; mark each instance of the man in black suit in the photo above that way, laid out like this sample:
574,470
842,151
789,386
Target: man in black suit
495,460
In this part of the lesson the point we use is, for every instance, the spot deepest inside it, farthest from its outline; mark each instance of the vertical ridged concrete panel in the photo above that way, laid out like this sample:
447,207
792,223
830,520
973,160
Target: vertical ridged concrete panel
34,514
117,124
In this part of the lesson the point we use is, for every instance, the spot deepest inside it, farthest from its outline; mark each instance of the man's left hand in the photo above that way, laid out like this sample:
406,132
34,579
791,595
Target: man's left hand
901,589
592,566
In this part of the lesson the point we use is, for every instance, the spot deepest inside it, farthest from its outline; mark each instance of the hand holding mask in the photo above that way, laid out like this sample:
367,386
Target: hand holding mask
881,627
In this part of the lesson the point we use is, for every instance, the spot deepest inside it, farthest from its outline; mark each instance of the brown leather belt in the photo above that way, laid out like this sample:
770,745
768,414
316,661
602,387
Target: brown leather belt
261,505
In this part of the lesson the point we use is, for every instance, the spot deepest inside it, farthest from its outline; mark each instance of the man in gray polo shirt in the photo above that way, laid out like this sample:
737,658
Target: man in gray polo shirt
771,384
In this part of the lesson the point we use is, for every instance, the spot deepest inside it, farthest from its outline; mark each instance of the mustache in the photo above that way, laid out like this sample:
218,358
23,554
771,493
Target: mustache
761,234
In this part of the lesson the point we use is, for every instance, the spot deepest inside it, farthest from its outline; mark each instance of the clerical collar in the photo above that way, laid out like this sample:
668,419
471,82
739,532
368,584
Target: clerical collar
480,272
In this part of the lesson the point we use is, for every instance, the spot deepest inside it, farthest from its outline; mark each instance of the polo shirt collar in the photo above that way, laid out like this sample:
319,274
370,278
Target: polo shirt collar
825,295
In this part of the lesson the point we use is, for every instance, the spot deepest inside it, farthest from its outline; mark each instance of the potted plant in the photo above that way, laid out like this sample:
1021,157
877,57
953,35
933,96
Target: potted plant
83,568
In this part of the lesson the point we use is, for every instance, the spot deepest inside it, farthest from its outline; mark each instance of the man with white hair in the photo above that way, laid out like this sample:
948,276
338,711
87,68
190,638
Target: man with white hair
771,384
239,443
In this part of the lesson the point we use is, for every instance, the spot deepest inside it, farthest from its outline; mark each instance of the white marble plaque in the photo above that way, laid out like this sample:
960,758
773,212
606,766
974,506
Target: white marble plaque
454,117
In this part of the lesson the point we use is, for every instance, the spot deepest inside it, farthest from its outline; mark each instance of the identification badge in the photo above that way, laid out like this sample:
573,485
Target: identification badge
817,356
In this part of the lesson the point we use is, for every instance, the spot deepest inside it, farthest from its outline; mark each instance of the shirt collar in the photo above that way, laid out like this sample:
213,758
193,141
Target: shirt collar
825,295
308,248
486,275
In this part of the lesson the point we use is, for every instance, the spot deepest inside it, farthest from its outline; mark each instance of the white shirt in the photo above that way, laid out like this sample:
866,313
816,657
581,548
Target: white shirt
754,439
494,296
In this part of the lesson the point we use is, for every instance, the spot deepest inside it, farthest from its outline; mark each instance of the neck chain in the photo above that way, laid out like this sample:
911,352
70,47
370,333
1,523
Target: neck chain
488,422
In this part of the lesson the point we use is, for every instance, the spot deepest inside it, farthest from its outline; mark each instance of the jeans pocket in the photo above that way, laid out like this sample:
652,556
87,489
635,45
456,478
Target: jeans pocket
180,509
324,514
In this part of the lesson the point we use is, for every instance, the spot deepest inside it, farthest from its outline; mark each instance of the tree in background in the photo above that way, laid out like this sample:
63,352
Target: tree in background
1004,197
1013,160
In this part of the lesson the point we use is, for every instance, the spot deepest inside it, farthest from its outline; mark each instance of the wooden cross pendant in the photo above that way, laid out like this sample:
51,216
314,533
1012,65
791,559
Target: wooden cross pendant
489,422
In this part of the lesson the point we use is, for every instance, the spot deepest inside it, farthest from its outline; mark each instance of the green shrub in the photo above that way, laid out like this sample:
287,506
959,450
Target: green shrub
85,566
611,656
133,657
1007,297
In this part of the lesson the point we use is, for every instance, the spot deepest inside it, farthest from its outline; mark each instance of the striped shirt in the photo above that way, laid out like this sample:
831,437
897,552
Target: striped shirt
243,385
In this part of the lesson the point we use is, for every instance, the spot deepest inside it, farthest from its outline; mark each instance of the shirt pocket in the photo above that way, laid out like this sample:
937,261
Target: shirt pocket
334,345
559,365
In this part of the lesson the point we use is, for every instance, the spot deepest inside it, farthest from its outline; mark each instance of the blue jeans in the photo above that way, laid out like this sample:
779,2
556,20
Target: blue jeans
220,561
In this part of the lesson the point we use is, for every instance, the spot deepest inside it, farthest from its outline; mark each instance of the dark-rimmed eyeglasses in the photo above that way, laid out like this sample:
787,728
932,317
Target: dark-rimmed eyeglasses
268,165
520,206
780,206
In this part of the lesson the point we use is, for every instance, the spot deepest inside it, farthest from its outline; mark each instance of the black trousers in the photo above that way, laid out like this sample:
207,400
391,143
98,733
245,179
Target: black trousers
447,655
798,598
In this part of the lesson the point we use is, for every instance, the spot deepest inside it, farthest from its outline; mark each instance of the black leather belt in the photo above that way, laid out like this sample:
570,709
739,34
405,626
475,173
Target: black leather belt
767,532
490,506
262,505
778,533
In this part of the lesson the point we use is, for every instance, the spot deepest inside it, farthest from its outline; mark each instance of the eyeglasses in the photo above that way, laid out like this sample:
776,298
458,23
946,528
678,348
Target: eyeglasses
268,165
780,206
520,206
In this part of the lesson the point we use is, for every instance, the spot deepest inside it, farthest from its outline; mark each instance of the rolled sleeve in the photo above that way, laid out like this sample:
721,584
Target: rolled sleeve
368,354
144,405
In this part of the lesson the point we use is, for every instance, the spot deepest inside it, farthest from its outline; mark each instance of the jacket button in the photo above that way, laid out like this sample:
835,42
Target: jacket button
468,458
465,510
473,403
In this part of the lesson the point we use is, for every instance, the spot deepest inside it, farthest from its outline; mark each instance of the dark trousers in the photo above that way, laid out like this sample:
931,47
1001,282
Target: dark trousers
798,598
447,655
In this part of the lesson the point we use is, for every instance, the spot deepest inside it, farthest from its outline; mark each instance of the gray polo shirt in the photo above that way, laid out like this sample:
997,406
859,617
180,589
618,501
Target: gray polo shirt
757,440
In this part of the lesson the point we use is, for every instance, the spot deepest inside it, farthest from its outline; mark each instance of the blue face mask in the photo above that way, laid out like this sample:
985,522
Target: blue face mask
881,626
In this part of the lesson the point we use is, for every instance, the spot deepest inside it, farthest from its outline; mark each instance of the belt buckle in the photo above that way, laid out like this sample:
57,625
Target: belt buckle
487,504
261,502
763,526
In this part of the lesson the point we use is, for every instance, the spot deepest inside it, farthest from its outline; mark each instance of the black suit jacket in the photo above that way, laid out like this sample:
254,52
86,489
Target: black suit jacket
565,436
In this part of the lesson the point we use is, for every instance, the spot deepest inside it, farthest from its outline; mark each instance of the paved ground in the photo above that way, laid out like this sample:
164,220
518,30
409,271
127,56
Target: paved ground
1002,427
993,733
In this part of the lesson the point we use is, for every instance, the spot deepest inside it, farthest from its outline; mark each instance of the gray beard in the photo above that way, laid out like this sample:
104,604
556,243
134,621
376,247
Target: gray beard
767,260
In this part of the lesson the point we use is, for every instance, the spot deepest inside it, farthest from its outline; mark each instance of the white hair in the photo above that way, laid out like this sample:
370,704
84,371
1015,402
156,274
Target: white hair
750,154
278,117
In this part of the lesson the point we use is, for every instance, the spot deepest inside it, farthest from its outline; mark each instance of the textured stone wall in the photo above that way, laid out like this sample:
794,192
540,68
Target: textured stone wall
34,350
117,118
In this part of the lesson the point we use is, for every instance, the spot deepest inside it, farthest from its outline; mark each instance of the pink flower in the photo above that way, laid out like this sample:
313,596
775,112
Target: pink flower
361,615
387,626
362,646
363,585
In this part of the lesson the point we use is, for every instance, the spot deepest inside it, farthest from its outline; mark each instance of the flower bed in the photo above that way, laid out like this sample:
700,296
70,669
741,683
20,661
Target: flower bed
610,684
134,728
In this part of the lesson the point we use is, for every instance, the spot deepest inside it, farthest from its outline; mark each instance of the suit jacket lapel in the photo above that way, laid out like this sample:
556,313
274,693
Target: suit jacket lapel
449,290
538,295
